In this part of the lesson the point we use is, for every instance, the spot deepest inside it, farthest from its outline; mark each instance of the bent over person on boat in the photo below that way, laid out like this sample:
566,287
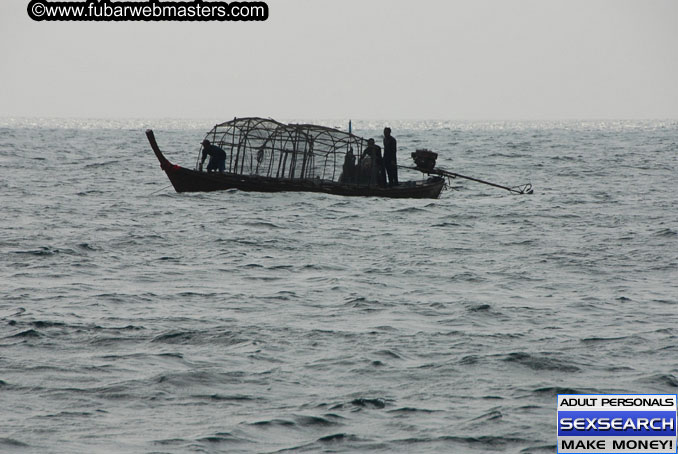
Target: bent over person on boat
217,157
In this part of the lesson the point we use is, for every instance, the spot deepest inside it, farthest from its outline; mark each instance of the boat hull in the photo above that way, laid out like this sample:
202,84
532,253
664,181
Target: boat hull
186,180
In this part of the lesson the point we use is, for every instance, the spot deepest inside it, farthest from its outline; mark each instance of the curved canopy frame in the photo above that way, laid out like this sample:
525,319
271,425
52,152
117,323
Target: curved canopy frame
267,148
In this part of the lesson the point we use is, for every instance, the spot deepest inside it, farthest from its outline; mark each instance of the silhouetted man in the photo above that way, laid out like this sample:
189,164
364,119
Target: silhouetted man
348,170
390,162
375,168
217,157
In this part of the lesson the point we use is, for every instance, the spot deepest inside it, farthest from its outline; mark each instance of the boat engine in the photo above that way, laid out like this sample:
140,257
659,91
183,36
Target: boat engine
424,159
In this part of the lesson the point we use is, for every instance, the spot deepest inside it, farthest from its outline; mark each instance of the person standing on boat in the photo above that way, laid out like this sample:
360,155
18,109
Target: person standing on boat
348,170
373,164
390,162
217,157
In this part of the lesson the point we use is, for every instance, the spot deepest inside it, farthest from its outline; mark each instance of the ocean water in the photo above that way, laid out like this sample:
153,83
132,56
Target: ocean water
137,320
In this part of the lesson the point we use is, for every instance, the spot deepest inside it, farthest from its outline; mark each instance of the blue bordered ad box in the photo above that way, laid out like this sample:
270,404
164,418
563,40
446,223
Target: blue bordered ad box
617,423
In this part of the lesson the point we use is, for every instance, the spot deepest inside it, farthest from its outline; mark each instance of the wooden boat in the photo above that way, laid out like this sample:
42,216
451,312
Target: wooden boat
267,156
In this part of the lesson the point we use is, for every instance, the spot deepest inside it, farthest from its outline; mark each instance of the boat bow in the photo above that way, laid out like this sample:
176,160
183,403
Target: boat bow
165,164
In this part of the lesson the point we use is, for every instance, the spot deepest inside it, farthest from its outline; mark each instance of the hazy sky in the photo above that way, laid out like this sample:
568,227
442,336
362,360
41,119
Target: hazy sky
387,59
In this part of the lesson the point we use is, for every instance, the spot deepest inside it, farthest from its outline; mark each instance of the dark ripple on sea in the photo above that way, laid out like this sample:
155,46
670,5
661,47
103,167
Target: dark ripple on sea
134,319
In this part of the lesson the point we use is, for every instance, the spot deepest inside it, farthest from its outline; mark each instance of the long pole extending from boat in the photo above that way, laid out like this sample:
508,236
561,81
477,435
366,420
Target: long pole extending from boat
522,189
